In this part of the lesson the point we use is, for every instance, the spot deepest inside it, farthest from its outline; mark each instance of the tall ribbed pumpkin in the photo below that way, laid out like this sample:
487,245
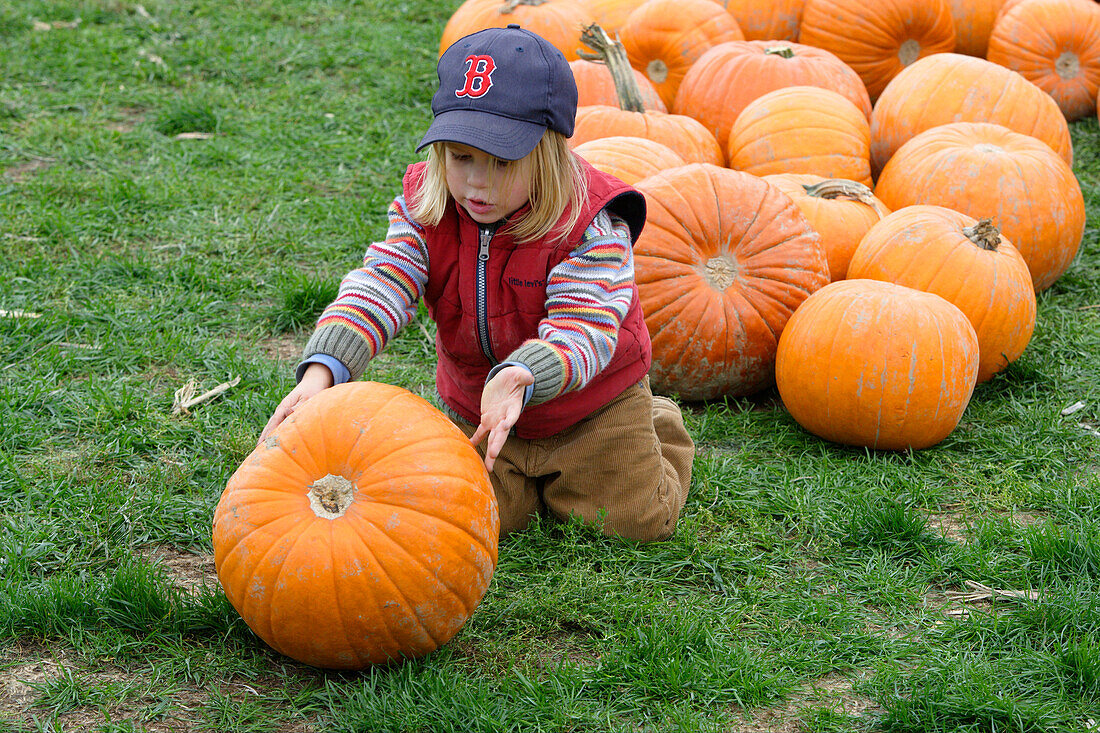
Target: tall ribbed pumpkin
878,365
558,21
973,23
802,129
965,261
878,39
1054,44
595,85
726,78
840,211
951,87
363,530
664,38
987,170
723,261
685,135
767,20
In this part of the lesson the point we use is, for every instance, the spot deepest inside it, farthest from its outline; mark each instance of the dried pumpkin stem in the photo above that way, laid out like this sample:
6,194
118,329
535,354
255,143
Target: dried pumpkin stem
834,188
782,51
611,52
984,234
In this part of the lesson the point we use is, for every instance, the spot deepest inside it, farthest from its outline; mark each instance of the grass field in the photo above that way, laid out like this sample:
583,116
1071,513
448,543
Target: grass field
182,184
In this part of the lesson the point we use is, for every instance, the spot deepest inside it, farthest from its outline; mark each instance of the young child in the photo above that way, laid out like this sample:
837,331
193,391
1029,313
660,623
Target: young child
522,254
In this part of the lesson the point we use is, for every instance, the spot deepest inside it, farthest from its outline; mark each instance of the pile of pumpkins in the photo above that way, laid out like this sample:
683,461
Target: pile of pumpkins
855,202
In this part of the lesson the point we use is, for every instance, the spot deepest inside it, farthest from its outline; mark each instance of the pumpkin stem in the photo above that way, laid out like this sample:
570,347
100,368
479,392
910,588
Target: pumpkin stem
330,497
611,52
834,188
984,234
510,5
782,51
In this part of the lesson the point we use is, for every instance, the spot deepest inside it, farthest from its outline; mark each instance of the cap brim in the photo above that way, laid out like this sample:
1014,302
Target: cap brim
501,137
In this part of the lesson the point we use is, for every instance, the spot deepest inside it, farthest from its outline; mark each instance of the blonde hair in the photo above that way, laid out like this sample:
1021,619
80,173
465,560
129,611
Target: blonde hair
557,186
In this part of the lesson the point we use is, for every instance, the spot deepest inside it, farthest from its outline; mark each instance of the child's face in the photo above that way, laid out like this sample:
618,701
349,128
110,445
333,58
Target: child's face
487,187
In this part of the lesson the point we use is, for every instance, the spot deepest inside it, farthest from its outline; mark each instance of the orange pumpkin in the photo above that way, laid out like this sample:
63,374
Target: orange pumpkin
595,85
558,21
974,21
967,262
878,39
987,170
951,87
726,78
802,130
767,20
723,261
878,365
665,37
1056,45
840,211
629,158
363,530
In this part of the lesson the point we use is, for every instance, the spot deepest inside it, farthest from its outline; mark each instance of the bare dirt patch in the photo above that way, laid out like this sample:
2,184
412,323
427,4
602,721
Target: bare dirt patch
286,348
190,572
832,692
23,171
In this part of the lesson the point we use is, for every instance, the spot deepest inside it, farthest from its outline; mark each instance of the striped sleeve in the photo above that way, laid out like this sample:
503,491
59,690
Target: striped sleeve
587,298
376,300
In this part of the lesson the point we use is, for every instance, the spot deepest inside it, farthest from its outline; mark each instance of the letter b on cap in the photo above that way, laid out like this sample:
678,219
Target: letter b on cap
479,76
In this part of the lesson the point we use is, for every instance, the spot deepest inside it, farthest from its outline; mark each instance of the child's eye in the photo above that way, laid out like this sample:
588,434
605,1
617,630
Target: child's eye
459,157
502,164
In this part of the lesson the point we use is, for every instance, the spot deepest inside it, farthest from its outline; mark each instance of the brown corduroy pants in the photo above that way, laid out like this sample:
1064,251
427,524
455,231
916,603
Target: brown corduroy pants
628,466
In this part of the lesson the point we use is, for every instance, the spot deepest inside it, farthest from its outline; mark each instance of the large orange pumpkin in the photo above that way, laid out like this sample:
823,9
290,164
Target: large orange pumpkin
723,261
665,37
878,39
726,78
967,262
767,20
802,129
558,21
987,170
952,87
629,158
363,530
878,365
1056,45
840,211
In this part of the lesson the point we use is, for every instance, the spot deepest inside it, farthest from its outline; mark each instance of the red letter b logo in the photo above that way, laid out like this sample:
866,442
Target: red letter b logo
479,76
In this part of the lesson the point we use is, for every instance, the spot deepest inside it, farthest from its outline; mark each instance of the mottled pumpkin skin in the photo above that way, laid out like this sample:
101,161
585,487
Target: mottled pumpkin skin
877,365
952,87
987,170
942,251
394,575
723,261
629,158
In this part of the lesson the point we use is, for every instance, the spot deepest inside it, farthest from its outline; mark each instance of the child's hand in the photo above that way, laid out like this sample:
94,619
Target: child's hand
317,377
501,405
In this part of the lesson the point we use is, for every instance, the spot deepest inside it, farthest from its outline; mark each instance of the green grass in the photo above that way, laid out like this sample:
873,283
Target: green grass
807,585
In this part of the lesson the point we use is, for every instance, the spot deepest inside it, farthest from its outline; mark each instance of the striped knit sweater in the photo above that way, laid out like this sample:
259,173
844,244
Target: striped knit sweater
587,297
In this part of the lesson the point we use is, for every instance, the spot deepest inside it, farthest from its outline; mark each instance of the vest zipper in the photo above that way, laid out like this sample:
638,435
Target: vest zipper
485,234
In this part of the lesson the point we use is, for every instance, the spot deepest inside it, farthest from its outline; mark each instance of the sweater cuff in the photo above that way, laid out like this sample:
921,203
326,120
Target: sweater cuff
342,344
545,365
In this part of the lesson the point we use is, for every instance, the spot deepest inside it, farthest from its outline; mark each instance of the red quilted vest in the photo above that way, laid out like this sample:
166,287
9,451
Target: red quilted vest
516,303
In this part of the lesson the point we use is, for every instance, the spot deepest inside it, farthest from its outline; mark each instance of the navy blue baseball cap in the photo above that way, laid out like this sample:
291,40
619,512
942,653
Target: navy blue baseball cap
499,90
